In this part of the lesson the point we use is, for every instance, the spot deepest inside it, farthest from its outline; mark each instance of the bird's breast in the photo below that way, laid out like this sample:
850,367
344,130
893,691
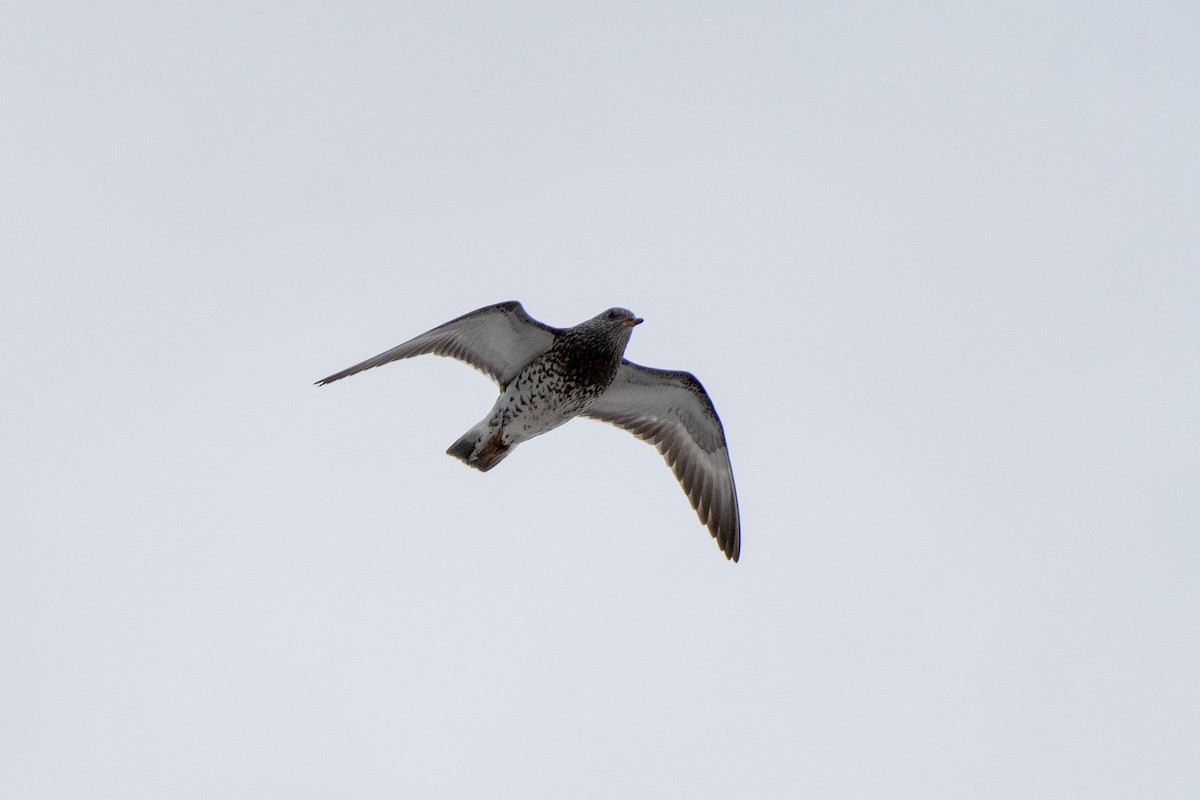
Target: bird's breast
543,396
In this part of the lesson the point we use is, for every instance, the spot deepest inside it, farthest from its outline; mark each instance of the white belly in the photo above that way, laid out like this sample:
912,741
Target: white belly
536,402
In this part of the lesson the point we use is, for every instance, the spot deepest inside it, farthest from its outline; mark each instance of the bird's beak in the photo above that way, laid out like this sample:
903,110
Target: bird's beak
629,323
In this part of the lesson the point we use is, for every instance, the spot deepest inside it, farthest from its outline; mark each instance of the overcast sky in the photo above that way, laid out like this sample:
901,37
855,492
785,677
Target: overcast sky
938,265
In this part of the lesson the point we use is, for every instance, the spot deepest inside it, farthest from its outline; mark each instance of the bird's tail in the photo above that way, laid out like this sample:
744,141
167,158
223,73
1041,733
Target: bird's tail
480,448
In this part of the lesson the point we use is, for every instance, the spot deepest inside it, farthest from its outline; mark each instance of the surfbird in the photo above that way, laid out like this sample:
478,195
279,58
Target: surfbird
548,376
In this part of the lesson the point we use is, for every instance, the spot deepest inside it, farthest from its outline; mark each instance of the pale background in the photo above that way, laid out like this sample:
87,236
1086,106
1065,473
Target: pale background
938,265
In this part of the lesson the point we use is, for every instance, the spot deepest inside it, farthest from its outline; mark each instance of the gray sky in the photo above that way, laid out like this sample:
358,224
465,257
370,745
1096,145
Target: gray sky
937,265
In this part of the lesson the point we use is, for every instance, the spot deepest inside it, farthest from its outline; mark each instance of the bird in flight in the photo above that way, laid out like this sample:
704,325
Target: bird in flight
548,376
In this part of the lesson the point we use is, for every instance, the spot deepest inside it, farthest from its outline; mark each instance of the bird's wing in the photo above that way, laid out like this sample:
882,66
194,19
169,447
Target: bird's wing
671,411
498,340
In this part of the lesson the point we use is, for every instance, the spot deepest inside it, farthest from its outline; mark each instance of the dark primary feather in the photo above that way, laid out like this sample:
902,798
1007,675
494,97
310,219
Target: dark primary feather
498,340
671,411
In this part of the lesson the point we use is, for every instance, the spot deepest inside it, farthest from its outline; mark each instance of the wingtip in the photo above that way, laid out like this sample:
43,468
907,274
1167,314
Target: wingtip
337,376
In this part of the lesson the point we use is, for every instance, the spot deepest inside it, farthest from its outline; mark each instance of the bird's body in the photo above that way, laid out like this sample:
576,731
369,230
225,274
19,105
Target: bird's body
553,389
548,376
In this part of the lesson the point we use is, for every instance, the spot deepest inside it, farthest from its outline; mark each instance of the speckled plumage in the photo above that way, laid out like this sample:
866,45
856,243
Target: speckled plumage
548,376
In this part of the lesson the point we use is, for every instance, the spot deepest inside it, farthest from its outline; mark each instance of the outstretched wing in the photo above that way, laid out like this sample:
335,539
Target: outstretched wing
671,411
498,340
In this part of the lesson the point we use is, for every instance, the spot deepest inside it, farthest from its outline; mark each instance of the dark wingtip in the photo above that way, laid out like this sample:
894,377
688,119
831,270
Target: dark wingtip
337,376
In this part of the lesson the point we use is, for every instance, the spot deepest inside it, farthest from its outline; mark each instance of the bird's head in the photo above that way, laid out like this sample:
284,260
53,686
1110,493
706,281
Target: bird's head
619,324
619,318
613,326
